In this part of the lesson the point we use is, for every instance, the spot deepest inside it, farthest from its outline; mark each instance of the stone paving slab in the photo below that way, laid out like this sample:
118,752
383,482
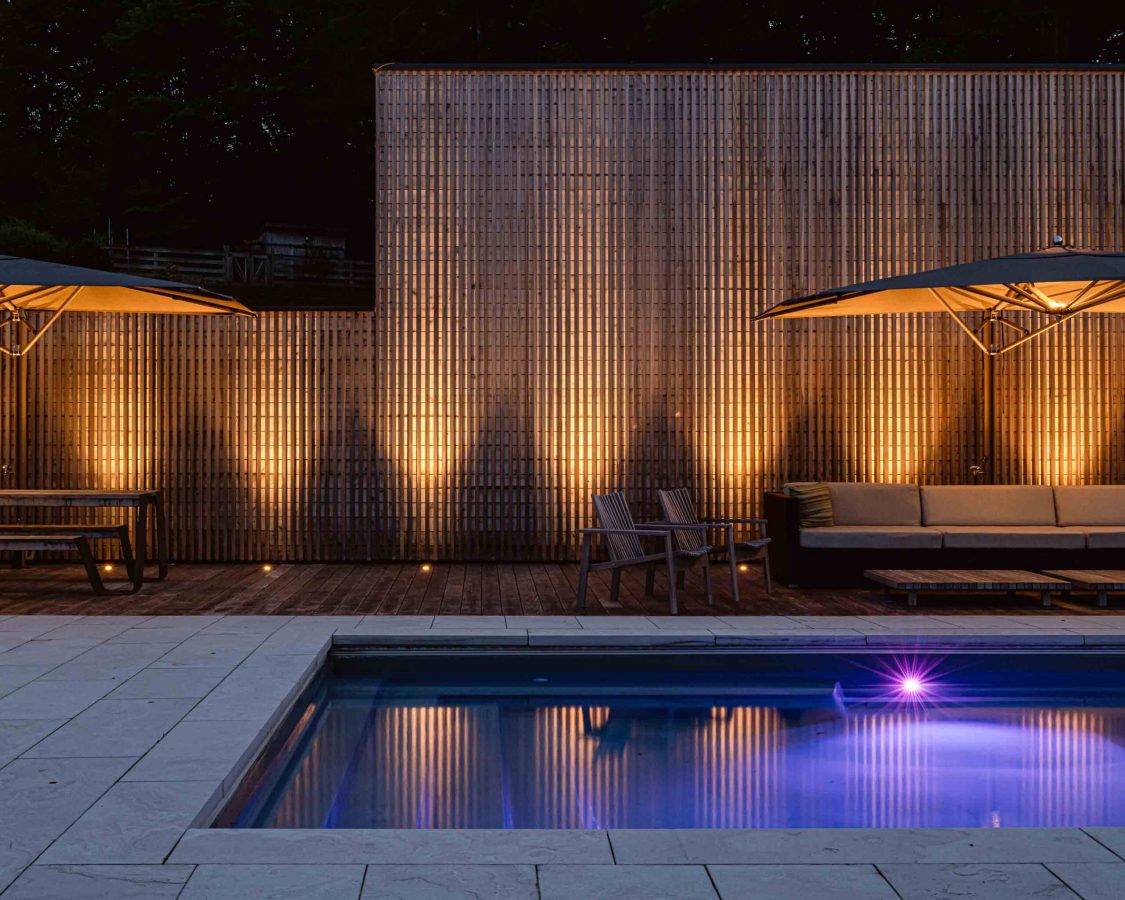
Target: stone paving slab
975,882
445,882
1092,881
625,883
100,883
133,822
280,882
856,845
113,728
801,882
53,699
116,662
171,684
381,846
20,735
198,751
41,798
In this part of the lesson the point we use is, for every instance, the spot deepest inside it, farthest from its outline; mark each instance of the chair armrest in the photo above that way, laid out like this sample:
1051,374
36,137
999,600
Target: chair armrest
647,532
670,526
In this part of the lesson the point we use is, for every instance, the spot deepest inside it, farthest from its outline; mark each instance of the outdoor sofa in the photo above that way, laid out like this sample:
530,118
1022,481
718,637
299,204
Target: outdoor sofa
906,526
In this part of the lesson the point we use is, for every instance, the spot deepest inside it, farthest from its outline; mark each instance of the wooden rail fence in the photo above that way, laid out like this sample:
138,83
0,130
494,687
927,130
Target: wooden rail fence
567,268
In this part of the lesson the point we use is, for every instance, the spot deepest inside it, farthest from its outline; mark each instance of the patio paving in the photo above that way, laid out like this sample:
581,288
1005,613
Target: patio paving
122,735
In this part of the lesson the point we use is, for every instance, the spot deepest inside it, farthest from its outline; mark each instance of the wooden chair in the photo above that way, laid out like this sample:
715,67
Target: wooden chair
622,538
679,512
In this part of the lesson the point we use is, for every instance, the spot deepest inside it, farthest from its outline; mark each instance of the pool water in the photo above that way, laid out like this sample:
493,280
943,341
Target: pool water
425,740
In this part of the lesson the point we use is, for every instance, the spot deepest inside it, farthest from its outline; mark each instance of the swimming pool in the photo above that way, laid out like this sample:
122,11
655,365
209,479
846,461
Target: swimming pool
681,740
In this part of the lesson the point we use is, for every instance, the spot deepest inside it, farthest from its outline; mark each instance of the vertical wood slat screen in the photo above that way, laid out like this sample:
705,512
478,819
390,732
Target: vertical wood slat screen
568,267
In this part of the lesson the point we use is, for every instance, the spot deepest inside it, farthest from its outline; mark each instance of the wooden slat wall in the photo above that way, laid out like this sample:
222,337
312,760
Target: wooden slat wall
568,264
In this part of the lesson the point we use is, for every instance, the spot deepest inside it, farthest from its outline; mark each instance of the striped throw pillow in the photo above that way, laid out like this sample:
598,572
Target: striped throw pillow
814,507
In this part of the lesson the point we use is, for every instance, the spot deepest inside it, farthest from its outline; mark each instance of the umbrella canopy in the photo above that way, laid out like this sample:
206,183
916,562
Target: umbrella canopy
1058,283
989,300
30,285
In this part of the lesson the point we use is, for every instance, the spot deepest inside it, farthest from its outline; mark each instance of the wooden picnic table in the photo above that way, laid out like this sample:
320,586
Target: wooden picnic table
138,501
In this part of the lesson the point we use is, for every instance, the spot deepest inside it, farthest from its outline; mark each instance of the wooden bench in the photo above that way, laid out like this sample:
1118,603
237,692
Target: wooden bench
119,533
23,543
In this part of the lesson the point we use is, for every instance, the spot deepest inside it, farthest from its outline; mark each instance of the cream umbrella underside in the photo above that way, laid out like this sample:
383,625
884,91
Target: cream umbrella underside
33,286
1058,283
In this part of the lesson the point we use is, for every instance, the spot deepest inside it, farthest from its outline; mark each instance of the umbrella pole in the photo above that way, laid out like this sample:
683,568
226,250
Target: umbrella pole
988,401
20,448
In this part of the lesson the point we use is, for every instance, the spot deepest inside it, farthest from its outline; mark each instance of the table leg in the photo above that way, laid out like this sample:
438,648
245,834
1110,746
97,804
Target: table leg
140,530
1103,598
911,598
161,536
1046,597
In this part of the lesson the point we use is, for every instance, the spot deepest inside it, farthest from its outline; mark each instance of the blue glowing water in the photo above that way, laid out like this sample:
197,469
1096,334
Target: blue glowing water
738,741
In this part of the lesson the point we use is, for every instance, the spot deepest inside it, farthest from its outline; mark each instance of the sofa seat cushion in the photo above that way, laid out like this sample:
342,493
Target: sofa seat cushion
990,504
1090,504
1013,537
867,503
1104,537
872,537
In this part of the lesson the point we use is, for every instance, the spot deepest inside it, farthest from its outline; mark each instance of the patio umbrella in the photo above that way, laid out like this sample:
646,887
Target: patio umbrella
999,303
47,290
30,285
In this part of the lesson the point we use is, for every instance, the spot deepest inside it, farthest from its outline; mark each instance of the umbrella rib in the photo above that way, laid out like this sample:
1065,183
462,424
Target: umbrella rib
51,321
10,302
1114,291
974,293
1031,335
961,324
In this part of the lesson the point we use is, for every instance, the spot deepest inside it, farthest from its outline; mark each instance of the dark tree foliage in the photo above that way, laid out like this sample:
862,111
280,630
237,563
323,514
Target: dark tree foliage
192,122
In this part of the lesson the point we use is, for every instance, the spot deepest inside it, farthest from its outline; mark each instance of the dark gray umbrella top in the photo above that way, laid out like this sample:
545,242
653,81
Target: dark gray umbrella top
1057,281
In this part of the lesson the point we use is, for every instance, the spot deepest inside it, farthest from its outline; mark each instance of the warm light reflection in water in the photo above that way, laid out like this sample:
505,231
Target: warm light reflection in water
577,766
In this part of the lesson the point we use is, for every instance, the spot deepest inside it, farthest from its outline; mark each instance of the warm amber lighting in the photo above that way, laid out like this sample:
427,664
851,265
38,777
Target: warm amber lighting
426,567
267,568
742,567
108,567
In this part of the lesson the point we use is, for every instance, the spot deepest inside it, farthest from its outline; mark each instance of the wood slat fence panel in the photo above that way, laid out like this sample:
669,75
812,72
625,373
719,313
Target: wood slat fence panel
567,268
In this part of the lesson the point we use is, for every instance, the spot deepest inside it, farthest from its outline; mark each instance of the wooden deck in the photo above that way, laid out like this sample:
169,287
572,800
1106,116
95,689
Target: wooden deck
457,589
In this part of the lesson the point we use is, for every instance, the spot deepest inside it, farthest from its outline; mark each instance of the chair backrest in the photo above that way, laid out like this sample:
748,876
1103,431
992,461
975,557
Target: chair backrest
678,509
613,512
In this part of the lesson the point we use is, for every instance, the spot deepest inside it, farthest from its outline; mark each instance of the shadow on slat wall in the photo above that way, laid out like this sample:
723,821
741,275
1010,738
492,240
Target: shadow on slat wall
568,266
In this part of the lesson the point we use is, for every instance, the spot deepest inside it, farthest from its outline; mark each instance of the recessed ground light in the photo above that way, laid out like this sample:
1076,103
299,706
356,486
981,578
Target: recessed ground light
267,568
108,567
426,567
742,567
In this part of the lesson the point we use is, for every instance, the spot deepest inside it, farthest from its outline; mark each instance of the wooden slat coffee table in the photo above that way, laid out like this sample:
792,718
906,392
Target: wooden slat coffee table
1101,581
913,582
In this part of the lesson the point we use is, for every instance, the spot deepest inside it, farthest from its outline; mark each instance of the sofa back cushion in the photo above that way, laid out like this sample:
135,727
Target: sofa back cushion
990,504
863,503
1101,504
